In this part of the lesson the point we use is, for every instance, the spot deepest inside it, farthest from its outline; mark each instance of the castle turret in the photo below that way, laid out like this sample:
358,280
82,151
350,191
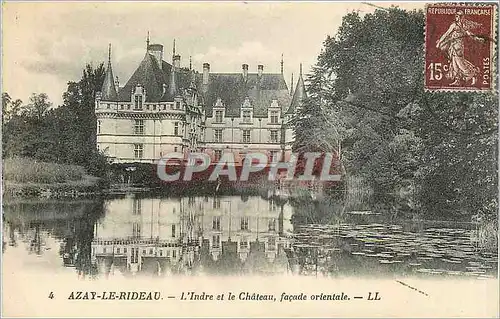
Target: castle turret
108,90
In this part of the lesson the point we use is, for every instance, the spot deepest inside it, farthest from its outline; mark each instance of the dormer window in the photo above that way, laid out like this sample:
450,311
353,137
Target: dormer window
247,116
274,117
138,102
177,105
218,116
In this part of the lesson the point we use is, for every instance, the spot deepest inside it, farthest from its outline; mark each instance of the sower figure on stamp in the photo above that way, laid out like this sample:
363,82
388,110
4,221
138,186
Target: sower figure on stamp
452,42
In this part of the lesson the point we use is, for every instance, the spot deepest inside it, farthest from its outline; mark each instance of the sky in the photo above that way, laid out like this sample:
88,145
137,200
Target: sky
47,44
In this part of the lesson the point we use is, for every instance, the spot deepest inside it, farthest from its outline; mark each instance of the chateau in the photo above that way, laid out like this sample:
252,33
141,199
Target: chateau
166,108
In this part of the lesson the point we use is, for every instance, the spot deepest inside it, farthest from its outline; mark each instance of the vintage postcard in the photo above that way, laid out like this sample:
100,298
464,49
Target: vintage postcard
249,159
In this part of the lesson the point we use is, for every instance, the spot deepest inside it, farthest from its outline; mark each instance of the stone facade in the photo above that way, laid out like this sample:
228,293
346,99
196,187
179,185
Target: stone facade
165,108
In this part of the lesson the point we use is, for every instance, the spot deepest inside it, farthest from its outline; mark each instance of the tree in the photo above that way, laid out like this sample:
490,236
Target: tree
368,81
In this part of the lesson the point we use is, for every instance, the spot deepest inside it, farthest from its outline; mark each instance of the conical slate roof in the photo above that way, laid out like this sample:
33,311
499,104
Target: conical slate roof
298,96
108,89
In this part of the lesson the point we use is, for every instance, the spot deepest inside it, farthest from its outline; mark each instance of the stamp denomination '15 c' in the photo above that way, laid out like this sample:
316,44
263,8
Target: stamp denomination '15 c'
459,47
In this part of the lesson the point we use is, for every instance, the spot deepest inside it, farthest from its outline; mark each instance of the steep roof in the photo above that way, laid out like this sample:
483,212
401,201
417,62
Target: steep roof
150,76
232,89
108,89
298,96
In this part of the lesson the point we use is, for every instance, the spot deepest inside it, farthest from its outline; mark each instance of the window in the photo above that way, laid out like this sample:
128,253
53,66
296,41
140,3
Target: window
218,154
176,128
117,250
218,135
135,255
218,116
274,117
216,203
247,116
104,250
99,127
244,223
151,251
244,242
173,230
271,243
215,241
136,230
174,253
274,136
161,252
273,155
272,224
216,223
125,250
139,127
138,102
246,136
177,105
138,150
175,149
137,207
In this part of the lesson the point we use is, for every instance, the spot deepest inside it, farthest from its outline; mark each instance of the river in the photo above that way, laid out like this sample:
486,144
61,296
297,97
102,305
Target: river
134,235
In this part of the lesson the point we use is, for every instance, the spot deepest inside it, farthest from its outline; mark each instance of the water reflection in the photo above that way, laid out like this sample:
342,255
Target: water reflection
160,236
134,235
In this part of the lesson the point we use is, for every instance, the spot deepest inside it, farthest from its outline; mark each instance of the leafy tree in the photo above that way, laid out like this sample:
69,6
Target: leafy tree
368,83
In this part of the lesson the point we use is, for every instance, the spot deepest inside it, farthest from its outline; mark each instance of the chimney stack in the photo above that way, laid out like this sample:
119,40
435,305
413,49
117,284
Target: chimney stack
260,69
177,61
157,51
245,70
206,71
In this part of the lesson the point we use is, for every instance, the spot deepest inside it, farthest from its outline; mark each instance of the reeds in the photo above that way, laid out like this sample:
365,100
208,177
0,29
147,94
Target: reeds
25,170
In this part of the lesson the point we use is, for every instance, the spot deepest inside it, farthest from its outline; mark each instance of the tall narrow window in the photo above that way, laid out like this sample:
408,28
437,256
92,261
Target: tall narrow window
244,223
244,242
218,135
136,230
246,136
139,127
218,154
137,207
271,244
138,150
247,116
216,203
138,102
216,241
176,128
218,116
216,223
99,127
272,224
274,117
274,136
173,230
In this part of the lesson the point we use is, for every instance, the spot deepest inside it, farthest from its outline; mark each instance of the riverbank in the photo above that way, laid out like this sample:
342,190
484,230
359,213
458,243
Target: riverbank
27,178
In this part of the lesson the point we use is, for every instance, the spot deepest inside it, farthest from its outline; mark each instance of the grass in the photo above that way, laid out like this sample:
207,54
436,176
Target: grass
25,170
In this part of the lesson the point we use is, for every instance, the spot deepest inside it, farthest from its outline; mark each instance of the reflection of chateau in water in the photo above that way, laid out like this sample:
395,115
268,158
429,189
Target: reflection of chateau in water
192,235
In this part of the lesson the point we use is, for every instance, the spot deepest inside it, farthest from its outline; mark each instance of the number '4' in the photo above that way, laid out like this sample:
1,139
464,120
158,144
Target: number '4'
51,295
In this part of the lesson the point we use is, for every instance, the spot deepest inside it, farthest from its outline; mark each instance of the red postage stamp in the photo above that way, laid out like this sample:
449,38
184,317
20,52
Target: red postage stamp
459,47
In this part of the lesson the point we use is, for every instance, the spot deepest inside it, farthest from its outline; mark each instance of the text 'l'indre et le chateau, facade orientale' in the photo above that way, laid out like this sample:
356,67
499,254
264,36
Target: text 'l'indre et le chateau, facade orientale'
165,108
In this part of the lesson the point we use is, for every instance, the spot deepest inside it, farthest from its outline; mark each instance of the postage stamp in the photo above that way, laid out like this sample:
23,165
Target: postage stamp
459,47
